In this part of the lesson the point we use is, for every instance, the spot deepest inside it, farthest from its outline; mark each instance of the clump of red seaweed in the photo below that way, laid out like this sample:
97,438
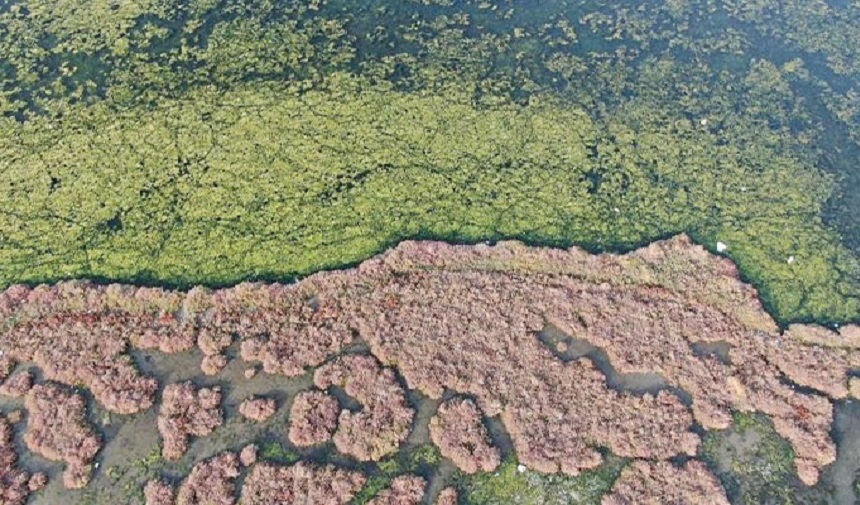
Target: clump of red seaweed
187,411
655,483
404,490
464,319
458,431
313,418
17,385
57,429
258,409
385,418
158,492
211,482
448,496
14,482
300,483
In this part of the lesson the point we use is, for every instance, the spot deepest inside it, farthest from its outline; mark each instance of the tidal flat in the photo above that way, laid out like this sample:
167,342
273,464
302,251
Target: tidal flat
492,374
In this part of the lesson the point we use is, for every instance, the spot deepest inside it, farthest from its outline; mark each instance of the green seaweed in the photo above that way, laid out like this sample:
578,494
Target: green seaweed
509,485
210,142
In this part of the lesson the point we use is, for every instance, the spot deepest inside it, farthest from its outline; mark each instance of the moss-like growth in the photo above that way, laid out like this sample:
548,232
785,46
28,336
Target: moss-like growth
755,464
513,484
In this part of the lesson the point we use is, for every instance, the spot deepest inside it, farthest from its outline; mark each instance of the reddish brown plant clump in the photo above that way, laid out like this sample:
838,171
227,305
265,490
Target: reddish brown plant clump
385,419
258,409
313,418
18,385
211,482
187,411
300,483
448,496
158,492
14,482
459,433
650,483
57,429
404,490
248,456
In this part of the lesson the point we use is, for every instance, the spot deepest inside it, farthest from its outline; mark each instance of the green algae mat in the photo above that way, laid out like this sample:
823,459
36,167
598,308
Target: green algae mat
213,141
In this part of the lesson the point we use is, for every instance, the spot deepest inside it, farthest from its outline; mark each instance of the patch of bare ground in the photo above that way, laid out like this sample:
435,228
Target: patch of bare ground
466,319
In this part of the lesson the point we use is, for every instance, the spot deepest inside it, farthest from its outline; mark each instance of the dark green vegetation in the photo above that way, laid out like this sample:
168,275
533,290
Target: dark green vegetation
511,486
756,466
211,141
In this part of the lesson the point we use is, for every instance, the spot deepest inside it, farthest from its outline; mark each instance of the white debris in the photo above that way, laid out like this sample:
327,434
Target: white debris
791,260
616,209
704,122
721,247
521,468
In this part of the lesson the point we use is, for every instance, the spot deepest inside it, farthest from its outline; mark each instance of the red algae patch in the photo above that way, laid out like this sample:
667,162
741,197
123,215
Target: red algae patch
313,418
211,482
17,385
187,411
385,418
448,496
464,320
404,490
458,431
84,349
657,483
300,483
158,492
57,429
258,409
14,482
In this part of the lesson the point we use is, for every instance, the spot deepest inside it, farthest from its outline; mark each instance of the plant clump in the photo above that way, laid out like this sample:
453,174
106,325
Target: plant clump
313,418
57,429
17,385
85,349
404,490
300,483
14,482
448,496
211,482
187,411
654,483
258,409
457,429
158,492
385,418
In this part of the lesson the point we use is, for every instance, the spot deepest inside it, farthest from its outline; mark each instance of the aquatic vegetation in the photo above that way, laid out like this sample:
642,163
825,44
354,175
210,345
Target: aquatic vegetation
404,490
752,461
258,409
313,418
210,481
17,484
649,311
160,147
58,429
509,485
458,430
384,419
273,484
187,411
662,482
